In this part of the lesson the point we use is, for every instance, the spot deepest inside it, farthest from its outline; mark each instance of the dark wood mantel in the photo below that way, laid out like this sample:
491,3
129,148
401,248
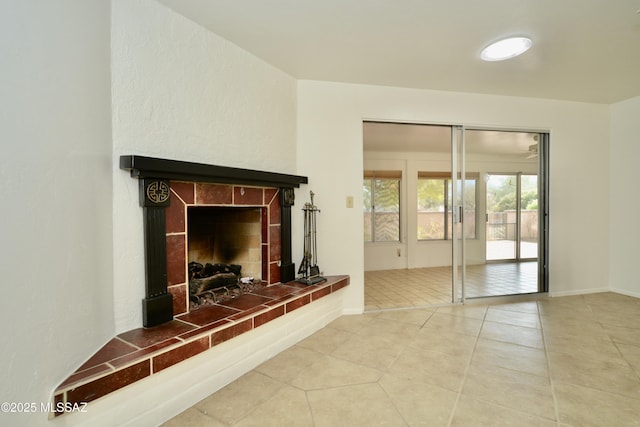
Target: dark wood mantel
151,167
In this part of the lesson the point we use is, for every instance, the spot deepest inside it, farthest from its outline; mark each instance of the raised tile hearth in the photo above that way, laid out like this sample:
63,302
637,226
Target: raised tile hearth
142,352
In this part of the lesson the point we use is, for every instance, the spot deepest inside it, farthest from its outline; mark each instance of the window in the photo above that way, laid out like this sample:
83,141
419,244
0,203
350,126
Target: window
432,204
434,218
382,206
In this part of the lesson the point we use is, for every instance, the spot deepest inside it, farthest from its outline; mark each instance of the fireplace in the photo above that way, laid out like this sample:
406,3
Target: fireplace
177,196
169,192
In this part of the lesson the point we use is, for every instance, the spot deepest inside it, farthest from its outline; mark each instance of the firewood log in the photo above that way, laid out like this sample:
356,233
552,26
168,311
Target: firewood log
216,281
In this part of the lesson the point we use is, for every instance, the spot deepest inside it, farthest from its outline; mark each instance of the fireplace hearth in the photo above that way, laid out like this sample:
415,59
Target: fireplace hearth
169,188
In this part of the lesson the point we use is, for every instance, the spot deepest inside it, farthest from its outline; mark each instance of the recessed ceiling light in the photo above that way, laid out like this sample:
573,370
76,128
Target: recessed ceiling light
506,48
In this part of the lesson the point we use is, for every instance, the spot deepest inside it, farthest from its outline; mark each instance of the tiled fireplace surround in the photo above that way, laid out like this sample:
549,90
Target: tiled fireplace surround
142,352
191,194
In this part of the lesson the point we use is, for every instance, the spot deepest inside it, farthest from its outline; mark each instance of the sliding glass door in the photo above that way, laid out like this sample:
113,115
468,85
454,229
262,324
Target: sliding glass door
512,217
470,213
509,256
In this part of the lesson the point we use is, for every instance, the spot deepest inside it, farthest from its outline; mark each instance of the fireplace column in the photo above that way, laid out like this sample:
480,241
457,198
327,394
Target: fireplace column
157,306
287,267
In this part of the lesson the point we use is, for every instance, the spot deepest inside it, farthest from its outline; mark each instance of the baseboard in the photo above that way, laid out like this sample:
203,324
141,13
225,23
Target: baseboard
578,292
626,292
352,311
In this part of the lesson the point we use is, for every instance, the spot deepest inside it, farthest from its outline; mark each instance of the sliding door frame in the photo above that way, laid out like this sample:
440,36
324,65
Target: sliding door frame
543,212
458,262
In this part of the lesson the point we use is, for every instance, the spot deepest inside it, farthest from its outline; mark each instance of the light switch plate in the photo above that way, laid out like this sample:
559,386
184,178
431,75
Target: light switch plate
349,201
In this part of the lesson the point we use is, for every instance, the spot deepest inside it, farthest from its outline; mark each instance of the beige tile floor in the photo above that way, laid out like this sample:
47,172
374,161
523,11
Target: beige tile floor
418,287
568,361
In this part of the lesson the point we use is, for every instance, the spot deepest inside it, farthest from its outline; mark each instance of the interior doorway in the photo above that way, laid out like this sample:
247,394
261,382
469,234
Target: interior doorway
445,249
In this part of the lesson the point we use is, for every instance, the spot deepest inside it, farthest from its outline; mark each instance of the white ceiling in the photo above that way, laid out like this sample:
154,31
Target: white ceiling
583,50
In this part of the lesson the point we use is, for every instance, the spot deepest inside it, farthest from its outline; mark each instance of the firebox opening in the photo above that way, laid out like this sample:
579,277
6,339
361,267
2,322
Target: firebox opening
226,236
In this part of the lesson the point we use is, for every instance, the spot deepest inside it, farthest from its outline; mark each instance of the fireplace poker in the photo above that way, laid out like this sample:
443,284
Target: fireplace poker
309,265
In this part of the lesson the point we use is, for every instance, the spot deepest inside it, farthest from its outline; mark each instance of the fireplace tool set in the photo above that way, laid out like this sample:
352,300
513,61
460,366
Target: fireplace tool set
309,270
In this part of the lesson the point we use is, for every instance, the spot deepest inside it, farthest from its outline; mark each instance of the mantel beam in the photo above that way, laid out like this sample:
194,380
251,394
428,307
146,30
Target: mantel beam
177,170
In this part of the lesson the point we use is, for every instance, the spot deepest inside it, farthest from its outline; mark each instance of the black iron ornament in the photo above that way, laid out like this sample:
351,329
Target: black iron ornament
155,193
309,270
288,197
158,192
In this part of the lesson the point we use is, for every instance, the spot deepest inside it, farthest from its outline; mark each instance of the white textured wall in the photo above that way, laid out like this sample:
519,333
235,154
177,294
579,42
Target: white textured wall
55,187
330,119
181,92
624,200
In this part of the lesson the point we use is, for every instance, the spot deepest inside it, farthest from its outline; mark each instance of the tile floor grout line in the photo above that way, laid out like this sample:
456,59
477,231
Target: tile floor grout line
466,370
548,360
622,356
309,408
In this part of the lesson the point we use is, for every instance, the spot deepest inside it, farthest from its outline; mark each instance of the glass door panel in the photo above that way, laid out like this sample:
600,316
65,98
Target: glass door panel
502,259
501,217
529,217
